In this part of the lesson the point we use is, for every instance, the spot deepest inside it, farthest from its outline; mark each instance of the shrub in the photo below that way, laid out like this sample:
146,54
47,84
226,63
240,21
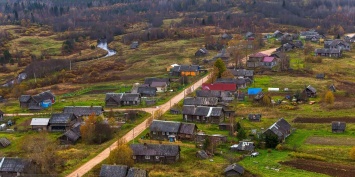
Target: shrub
306,156
352,153
279,147
329,97
313,59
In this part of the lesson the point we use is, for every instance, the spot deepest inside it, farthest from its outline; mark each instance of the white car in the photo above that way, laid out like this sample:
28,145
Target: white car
254,154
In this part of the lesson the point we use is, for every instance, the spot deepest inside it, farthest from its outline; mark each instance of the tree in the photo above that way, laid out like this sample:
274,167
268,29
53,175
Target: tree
241,134
158,114
238,126
329,97
220,66
41,149
95,130
352,153
266,100
122,155
227,74
271,140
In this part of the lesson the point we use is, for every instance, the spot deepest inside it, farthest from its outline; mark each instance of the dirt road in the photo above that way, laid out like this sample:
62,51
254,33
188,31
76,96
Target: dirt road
134,132
244,60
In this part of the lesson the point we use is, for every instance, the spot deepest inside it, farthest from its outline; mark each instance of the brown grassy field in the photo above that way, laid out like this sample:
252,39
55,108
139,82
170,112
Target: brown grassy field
332,141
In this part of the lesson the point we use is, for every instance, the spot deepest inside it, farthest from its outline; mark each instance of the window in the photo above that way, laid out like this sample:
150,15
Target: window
163,133
134,157
154,133
167,133
147,157
198,117
157,157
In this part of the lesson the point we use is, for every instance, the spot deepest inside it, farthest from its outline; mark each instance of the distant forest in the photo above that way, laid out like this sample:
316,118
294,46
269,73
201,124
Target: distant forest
106,18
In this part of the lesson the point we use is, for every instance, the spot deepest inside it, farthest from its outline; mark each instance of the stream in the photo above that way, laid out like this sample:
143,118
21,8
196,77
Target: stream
103,45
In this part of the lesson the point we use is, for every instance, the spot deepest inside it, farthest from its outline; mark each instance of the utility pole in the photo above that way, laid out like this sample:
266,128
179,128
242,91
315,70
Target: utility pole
34,74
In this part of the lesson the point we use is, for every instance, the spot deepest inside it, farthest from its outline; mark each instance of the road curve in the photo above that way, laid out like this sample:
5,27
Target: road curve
134,132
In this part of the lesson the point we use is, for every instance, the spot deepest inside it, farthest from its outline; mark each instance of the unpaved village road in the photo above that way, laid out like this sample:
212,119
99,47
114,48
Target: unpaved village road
134,132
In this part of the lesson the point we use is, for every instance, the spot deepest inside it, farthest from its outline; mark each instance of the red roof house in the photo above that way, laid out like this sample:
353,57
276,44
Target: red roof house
220,86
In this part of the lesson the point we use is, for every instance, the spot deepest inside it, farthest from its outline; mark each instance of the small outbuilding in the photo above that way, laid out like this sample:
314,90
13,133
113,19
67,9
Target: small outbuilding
39,123
4,142
234,170
338,127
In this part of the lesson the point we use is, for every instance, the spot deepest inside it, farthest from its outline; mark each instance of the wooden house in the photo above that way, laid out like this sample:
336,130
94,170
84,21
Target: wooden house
84,111
281,128
242,73
147,91
249,36
333,53
244,146
201,101
1,115
39,123
72,135
338,127
37,102
223,54
122,99
220,86
121,171
62,121
269,62
310,91
217,139
224,126
320,76
155,153
187,131
201,52
134,45
254,60
164,130
10,167
233,170
337,44
185,70
223,96
202,114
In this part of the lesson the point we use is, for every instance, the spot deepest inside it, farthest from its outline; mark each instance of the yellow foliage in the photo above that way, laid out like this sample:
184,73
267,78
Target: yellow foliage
122,155
329,97
352,153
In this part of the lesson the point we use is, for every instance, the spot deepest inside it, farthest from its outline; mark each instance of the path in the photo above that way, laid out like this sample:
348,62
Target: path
134,132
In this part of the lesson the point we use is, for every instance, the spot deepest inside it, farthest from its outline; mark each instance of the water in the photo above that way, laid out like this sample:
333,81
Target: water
103,45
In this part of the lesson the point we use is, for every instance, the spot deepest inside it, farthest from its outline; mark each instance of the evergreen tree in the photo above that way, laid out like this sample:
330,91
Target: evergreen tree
221,67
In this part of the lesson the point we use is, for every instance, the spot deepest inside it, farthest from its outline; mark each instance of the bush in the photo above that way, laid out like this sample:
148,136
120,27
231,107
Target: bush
306,156
329,97
279,147
313,59
352,153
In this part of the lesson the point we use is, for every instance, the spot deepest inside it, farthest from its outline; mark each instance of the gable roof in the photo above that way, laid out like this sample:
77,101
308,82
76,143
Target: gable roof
219,86
134,45
242,72
234,167
118,97
164,126
312,89
182,68
222,54
337,42
202,110
258,55
136,172
158,84
330,51
281,128
39,121
187,128
4,142
113,170
202,51
268,59
24,98
338,125
84,110
46,95
149,80
147,90
61,118
201,101
10,164
155,149
245,146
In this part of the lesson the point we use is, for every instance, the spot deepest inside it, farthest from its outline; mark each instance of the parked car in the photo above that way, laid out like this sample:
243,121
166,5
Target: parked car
254,154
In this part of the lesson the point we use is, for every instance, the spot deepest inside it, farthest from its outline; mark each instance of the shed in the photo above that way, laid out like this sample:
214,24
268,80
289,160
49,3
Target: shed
254,117
4,142
234,170
39,123
202,154
338,127
320,76
113,170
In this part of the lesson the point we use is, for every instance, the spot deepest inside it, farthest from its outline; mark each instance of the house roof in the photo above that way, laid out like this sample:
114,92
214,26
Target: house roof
330,51
188,109
202,50
338,125
61,118
136,172
10,164
113,170
149,80
24,98
281,128
182,68
84,110
202,154
268,59
46,95
219,86
242,72
226,36
158,84
72,135
246,146
234,167
336,42
187,128
278,55
155,149
249,34
147,90
4,142
118,97
320,76
202,110
39,121
201,101
164,126
312,89
134,44
259,55
222,54
208,93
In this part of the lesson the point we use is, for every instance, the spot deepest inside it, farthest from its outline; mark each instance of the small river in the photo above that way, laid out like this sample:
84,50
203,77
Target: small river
103,45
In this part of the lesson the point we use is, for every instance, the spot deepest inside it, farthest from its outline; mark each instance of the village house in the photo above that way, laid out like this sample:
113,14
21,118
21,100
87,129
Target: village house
310,91
37,102
202,114
185,70
122,99
72,135
62,121
244,146
4,142
223,54
161,84
121,171
269,62
224,126
226,36
241,83
338,127
223,96
146,91
201,52
281,128
164,130
285,47
320,76
333,53
304,34
187,131
233,170
349,39
249,36
39,123
220,86
240,96
155,153
217,139
254,60
201,101
254,117
337,44
84,111
242,73
11,166
277,34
